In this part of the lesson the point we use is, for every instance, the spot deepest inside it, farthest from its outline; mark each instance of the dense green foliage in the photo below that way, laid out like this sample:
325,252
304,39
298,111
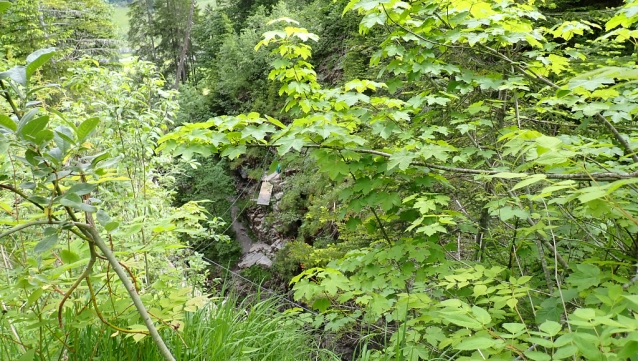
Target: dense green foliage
75,27
216,332
491,173
458,177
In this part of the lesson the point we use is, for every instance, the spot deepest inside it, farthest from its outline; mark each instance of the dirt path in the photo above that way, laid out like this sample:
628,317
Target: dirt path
241,233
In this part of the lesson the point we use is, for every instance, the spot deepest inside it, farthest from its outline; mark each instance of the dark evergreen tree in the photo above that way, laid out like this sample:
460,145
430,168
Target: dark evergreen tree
140,33
159,30
89,29
240,10
23,29
209,35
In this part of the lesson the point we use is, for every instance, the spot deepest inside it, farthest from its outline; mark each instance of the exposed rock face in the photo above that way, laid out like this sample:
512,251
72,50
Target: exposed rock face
269,241
257,258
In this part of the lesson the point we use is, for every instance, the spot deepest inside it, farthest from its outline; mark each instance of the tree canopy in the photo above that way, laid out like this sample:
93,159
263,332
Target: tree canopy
459,177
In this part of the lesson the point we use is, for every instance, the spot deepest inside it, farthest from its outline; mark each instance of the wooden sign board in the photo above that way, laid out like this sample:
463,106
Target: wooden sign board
264,194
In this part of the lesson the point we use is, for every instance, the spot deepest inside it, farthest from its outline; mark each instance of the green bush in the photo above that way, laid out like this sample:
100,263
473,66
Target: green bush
209,181
256,274
225,329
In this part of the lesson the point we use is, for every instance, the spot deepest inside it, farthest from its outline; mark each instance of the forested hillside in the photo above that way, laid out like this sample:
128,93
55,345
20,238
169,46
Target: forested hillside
319,180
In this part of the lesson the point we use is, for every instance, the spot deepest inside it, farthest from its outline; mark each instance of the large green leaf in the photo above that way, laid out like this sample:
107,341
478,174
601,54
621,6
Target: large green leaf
36,59
565,352
537,356
74,201
475,343
8,123
64,138
552,328
17,74
46,244
43,137
27,117
401,159
551,310
4,5
28,356
258,133
234,152
85,129
481,315
82,188
585,276
288,142
461,320
30,128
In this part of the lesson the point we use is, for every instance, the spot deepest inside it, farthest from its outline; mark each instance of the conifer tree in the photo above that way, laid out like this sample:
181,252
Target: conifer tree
158,30
140,33
210,34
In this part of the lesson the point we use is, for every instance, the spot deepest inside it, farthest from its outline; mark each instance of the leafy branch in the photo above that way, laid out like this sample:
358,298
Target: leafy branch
524,70
130,288
598,176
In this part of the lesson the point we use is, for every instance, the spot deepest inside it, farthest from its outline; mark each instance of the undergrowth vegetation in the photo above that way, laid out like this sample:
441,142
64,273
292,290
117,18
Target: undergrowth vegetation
457,180
224,329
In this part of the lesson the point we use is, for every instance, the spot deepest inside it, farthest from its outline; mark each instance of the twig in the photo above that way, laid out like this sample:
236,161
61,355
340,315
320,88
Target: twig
9,100
85,274
99,314
27,225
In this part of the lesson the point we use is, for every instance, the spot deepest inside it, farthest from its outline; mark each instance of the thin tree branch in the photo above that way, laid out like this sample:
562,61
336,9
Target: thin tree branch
85,274
26,197
599,176
6,95
99,314
166,353
27,225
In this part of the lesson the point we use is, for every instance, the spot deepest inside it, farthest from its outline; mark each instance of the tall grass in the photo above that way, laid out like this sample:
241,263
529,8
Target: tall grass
223,330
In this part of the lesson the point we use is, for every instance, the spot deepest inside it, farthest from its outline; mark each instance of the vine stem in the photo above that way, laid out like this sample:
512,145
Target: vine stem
7,96
85,275
99,314
598,176
106,251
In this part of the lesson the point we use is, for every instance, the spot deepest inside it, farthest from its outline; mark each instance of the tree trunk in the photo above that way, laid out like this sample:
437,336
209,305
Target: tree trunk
182,57
150,26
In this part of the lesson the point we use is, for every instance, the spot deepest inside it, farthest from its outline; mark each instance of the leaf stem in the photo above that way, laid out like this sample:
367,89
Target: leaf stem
9,99
85,274
99,314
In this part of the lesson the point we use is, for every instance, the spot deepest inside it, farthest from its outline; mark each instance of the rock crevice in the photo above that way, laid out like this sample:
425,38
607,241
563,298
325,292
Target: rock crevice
268,241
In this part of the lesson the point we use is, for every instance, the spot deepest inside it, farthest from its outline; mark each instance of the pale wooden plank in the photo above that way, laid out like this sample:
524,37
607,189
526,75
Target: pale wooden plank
264,194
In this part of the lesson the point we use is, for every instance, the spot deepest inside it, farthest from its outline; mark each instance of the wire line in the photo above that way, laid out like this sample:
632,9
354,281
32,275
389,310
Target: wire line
262,288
